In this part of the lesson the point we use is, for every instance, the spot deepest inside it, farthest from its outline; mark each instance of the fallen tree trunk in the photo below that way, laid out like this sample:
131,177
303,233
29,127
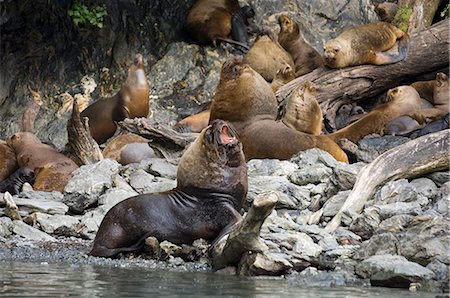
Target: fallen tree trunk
415,15
417,157
428,52
244,236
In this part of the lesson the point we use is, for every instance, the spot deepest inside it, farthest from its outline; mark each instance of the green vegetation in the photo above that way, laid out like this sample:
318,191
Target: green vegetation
445,11
402,18
81,14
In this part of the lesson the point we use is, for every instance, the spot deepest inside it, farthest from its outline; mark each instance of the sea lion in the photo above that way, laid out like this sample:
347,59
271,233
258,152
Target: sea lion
431,127
211,189
305,57
128,148
13,184
366,44
282,77
8,162
440,99
240,23
267,56
246,100
131,101
425,89
53,169
211,20
402,126
193,123
402,101
302,111
386,11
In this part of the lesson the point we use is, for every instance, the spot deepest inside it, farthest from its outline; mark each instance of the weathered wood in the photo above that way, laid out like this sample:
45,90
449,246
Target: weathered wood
81,147
244,236
415,15
417,157
428,52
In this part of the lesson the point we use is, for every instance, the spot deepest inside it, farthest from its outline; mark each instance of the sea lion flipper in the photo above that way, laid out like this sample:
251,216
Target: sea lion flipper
390,57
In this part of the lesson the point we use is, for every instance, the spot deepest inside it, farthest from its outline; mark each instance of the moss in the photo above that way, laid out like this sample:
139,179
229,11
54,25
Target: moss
402,17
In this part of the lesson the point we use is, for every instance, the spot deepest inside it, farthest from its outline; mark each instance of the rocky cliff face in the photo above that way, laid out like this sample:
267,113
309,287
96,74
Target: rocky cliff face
46,58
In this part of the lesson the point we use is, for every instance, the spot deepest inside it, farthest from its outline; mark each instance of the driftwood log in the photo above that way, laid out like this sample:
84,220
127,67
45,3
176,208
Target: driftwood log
428,52
81,147
417,157
244,236
415,15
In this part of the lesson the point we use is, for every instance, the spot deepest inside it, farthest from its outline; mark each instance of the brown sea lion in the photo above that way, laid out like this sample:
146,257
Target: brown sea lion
402,126
131,101
193,123
440,99
13,184
402,101
246,100
128,148
386,11
8,162
366,44
211,189
282,77
267,56
210,21
53,169
425,89
302,111
305,57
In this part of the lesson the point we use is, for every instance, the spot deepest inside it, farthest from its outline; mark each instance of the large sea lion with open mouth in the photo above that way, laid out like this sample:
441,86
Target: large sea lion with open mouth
131,101
246,100
211,189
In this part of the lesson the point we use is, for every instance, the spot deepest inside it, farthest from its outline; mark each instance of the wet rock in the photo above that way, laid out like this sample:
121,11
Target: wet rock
64,225
28,232
370,148
366,224
290,196
5,226
312,277
88,183
41,205
392,209
305,246
263,264
170,249
392,270
334,204
270,167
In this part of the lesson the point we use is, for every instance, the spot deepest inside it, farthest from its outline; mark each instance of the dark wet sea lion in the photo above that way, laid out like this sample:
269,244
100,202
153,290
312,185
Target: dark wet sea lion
267,56
246,100
8,162
366,44
305,57
131,101
402,101
53,169
240,23
211,189
13,184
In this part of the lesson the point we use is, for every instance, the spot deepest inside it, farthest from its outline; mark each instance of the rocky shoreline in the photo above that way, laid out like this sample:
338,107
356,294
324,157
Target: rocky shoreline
399,240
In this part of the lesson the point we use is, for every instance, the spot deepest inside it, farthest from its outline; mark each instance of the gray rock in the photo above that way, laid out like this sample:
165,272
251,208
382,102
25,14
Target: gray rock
334,204
270,167
392,270
28,232
392,209
442,206
115,195
264,264
440,269
311,277
370,148
312,157
440,178
425,187
328,243
346,237
366,224
90,222
314,174
88,183
396,191
5,226
395,224
379,244
140,181
160,167
54,196
41,205
291,196
344,175
305,246
64,225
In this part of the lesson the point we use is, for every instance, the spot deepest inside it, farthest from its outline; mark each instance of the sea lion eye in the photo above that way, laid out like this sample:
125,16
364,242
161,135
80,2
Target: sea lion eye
336,50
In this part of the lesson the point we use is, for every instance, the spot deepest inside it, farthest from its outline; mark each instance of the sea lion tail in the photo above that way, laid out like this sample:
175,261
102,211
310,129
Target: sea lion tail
389,57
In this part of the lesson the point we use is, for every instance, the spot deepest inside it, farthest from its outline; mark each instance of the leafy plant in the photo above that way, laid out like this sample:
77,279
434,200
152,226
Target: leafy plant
445,11
94,15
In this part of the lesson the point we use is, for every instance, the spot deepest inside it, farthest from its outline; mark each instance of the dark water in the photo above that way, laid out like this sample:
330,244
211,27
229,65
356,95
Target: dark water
64,280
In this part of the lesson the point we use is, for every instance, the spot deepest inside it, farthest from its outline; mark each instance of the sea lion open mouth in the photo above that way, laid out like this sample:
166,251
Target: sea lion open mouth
226,136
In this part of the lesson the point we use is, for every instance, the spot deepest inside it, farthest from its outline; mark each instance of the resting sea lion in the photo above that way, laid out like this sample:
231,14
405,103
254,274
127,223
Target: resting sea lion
402,126
282,77
240,23
366,44
8,162
211,189
128,148
211,20
131,101
403,100
425,89
305,57
53,169
386,11
440,98
246,100
193,123
13,184
267,56
302,111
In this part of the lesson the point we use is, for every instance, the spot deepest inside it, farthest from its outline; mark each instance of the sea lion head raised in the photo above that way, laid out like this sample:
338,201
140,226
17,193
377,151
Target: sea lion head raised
214,162
288,26
334,53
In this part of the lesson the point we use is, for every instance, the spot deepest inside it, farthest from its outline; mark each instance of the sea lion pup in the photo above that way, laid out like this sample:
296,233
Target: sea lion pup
211,20
305,57
8,162
211,189
131,101
128,148
193,123
282,77
13,184
366,44
302,111
246,100
53,169
267,56
402,101
440,99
